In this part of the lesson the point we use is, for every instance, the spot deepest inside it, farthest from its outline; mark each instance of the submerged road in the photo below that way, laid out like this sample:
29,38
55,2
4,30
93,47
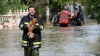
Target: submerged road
56,41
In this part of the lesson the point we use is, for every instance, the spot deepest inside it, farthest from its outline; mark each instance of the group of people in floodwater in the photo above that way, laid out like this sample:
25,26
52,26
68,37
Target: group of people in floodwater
75,13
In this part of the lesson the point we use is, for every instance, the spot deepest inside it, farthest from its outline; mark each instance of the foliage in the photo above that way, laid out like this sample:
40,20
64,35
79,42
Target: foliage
57,4
40,6
5,20
3,7
6,5
92,8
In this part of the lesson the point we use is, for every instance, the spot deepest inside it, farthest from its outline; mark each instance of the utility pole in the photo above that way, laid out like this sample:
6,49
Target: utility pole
47,13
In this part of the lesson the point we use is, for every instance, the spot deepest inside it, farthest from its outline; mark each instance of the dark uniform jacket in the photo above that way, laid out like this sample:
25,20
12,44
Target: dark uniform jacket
78,7
37,31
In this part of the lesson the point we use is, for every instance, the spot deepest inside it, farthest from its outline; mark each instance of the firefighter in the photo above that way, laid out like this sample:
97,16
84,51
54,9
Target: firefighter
78,13
33,49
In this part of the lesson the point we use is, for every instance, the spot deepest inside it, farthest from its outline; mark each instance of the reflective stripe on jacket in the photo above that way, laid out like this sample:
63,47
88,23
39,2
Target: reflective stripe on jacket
35,44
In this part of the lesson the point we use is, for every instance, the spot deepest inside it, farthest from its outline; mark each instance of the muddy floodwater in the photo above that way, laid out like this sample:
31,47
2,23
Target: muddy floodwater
56,41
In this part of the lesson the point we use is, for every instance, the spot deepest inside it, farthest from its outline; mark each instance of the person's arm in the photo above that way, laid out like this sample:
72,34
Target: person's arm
67,8
53,19
22,26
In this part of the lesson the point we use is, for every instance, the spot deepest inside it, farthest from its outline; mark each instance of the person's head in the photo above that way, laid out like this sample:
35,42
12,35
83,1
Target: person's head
65,7
76,3
31,10
70,2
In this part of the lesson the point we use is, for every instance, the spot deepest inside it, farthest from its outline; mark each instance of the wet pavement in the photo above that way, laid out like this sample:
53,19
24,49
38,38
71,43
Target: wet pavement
56,41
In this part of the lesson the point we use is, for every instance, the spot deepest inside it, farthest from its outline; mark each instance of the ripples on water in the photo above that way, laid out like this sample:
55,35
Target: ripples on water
10,41
56,41
72,41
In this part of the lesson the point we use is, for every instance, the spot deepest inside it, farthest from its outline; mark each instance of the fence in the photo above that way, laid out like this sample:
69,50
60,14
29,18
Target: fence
13,18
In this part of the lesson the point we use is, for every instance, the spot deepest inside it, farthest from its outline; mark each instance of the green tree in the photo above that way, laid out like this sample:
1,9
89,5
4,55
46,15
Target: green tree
3,7
92,8
57,4
6,5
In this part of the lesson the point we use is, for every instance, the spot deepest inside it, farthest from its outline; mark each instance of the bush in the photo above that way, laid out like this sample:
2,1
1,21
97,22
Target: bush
6,21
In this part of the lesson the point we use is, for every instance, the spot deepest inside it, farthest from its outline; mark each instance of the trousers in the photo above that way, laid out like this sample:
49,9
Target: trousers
29,51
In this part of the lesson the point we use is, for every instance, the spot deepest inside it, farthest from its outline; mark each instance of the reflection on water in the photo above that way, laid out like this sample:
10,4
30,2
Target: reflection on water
56,41
10,41
71,41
